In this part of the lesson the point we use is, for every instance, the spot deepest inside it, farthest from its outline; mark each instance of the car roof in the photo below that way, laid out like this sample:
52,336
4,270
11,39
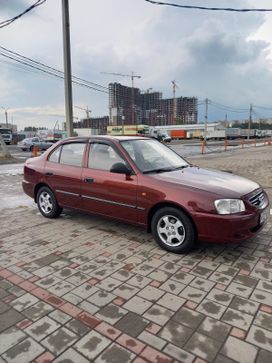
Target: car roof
106,137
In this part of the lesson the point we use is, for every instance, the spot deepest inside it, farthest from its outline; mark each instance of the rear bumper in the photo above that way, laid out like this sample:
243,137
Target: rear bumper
229,228
28,188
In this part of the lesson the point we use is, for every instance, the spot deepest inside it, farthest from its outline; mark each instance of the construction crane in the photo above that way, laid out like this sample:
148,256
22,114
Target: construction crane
131,76
174,100
86,110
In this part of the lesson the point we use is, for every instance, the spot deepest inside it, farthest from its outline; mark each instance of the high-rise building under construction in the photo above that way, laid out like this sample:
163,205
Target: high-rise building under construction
127,104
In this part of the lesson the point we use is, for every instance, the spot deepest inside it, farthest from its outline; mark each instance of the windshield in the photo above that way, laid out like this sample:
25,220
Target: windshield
152,156
5,131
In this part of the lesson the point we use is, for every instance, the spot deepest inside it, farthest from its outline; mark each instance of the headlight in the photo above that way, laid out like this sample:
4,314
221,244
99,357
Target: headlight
229,206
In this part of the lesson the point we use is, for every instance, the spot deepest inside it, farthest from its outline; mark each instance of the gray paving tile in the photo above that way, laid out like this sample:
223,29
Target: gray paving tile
175,333
240,290
179,354
170,301
211,308
244,305
214,329
260,337
85,290
239,350
59,341
152,340
193,294
151,293
158,314
23,302
111,313
101,298
263,320
37,310
24,352
203,346
220,296
71,356
41,328
77,327
120,354
237,318
262,297
9,318
126,291
264,356
92,344
132,324
137,305
202,284
10,338
188,317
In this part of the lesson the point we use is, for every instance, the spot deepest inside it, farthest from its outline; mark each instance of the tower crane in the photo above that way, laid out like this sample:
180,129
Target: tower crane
131,76
174,100
85,109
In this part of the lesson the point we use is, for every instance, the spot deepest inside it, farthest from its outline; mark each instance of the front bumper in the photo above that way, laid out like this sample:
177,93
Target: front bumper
230,228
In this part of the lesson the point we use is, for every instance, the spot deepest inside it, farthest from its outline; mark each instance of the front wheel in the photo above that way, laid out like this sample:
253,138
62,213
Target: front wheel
47,203
173,230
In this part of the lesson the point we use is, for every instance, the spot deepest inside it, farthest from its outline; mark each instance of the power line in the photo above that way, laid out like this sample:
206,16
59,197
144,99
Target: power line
52,72
11,20
40,64
207,8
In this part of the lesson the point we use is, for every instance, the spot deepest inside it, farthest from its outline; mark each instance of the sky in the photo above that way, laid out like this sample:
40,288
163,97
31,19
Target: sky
225,57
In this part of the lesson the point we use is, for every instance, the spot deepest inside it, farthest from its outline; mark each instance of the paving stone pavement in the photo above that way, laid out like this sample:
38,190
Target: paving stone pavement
85,289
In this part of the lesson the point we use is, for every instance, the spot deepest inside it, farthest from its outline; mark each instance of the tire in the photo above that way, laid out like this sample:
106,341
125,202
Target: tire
182,232
31,148
47,203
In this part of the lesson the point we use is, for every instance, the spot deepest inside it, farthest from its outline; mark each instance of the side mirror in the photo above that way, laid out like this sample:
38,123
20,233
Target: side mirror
120,168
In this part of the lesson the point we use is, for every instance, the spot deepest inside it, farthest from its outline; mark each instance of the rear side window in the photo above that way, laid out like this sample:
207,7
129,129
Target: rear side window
72,154
54,157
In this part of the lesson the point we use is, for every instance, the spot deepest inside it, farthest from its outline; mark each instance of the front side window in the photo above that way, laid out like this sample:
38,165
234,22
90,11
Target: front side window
72,154
152,156
103,157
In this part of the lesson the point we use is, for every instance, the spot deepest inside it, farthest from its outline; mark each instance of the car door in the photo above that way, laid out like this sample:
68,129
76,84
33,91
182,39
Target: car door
62,172
105,192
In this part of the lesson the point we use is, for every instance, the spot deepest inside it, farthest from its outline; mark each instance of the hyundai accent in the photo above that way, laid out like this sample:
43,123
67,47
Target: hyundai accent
141,181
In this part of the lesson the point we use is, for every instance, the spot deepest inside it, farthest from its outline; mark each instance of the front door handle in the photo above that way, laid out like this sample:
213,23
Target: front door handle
89,180
48,173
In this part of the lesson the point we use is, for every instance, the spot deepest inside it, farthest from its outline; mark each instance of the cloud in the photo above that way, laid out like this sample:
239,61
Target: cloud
11,6
221,56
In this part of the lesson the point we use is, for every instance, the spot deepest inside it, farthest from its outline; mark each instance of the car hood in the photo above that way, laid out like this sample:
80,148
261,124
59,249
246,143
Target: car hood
219,182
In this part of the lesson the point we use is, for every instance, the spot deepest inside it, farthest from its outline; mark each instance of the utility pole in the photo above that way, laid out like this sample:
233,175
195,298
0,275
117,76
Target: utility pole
67,68
249,121
206,119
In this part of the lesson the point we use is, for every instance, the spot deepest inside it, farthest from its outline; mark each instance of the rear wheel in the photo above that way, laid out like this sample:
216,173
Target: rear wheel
47,203
173,230
31,148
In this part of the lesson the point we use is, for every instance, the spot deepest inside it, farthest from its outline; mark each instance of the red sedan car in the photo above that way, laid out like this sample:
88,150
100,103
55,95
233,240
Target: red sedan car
141,181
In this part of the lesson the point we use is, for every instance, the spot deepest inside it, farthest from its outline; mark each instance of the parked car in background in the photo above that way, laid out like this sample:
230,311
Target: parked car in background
141,181
29,143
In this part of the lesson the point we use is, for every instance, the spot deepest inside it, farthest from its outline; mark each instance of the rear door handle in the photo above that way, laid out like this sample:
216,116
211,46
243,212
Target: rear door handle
48,173
89,180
